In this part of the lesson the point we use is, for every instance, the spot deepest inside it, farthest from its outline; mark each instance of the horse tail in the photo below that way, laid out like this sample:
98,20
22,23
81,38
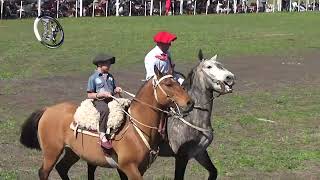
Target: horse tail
29,130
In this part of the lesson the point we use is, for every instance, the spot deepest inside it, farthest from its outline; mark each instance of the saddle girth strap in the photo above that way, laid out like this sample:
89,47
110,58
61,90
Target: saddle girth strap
142,136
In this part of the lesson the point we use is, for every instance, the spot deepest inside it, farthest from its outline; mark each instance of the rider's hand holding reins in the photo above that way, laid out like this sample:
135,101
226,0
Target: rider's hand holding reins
103,95
118,90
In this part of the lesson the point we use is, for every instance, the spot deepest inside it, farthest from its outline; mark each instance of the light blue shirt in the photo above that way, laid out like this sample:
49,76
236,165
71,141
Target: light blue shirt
99,82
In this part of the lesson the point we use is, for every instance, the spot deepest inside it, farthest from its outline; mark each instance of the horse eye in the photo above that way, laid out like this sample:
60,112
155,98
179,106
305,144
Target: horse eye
209,67
168,84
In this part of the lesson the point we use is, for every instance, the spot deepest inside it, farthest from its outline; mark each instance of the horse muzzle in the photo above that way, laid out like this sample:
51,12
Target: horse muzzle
227,84
224,87
189,107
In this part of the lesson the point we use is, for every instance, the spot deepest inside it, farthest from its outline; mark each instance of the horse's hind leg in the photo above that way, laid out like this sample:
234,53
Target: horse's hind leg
91,170
69,159
204,159
50,157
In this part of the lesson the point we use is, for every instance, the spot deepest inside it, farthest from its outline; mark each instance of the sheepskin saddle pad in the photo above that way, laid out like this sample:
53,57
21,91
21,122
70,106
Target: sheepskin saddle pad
87,116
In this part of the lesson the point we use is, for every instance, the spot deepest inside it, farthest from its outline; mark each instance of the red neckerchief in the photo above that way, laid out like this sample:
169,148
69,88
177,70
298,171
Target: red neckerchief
162,57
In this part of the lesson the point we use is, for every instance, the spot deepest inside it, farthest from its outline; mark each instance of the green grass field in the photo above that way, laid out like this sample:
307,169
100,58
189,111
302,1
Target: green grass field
244,148
130,38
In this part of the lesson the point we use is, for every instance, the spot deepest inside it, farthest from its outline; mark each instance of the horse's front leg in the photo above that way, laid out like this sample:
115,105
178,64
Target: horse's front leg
204,159
122,175
180,167
131,171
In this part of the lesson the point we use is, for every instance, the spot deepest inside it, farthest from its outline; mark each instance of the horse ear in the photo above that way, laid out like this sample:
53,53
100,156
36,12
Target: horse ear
200,55
214,58
157,71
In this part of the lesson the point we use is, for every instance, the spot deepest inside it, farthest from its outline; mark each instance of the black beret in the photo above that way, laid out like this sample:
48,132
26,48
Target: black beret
103,58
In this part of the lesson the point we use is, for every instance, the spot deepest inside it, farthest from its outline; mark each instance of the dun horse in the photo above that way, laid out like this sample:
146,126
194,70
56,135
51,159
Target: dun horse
49,130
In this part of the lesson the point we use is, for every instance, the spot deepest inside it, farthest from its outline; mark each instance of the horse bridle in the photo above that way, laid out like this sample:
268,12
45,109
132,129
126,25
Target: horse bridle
221,83
156,84
222,91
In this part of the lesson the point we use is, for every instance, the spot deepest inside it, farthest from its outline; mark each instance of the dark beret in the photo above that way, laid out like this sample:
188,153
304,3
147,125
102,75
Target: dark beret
103,58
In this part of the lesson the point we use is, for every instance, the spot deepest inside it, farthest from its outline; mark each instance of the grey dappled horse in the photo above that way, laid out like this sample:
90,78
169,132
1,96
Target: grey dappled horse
191,138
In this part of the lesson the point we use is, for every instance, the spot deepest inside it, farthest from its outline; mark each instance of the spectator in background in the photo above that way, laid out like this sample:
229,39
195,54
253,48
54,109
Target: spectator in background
168,6
263,5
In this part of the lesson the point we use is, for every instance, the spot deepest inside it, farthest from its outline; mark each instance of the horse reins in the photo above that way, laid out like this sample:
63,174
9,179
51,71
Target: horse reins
155,85
172,112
